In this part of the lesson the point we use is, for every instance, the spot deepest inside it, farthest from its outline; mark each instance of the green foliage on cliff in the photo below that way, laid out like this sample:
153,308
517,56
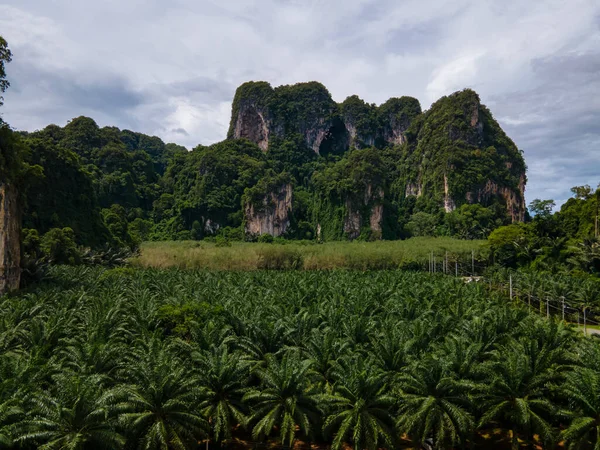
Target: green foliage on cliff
64,196
208,183
5,57
83,169
302,105
459,139
269,183
11,158
362,114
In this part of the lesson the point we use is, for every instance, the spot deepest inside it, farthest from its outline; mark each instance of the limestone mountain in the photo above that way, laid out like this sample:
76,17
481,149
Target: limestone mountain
453,154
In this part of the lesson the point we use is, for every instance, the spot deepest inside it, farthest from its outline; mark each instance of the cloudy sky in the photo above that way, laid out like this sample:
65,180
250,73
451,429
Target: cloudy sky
170,68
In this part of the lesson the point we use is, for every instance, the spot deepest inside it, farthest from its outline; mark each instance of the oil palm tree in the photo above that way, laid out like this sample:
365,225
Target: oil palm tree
582,390
77,415
432,405
516,390
223,379
360,410
10,412
284,399
160,404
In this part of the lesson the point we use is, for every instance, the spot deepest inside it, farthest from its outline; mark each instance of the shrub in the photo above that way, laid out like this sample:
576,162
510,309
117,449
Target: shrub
233,234
221,241
265,238
58,245
280,258
30,242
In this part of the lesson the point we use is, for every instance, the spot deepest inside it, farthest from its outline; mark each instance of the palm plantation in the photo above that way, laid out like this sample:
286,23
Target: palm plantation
148,359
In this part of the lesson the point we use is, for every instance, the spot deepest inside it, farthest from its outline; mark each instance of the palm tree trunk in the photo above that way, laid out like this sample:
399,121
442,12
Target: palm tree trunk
515,440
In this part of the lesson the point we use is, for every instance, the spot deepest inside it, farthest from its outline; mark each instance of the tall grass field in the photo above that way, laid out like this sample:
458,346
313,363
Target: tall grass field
414,253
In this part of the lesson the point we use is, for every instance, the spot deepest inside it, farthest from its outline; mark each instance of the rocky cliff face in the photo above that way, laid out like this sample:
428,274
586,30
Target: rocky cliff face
371,206
10,239
396,116
272,215
261,113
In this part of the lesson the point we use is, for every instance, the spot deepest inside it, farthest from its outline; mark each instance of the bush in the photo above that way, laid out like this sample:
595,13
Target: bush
140,230
221,241
233,234
422,224
58,245
265,238
280,258
30,243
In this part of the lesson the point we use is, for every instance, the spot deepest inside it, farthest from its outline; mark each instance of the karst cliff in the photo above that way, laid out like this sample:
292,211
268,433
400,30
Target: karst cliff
455,153
10,241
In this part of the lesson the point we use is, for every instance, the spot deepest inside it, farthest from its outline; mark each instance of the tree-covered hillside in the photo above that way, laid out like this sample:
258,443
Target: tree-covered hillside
296,164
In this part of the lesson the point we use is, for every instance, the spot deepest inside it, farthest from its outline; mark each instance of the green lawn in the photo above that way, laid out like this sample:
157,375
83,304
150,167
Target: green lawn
411,253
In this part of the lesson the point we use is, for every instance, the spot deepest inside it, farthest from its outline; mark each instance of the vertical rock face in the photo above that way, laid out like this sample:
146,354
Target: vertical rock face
10,239
449,204
272,215
512,198
251,125
369,212
261,113
250,116
453,154
396,115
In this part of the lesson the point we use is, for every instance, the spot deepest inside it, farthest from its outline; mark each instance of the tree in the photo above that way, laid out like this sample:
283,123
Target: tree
361,411
582,192
78,415
422,224
5,57
516,390
10,412
542,208
582,389
160,402
223,380
432,405
284,400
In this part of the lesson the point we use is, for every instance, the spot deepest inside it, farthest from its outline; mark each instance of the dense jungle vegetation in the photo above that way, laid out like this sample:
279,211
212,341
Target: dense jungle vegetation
144,358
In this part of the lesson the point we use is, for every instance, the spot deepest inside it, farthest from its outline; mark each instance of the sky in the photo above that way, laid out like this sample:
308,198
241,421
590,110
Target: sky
170,68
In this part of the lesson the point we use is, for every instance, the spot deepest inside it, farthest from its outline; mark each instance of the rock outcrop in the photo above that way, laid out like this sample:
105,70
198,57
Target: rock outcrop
368,212
261,113
10,238
396,116
272,215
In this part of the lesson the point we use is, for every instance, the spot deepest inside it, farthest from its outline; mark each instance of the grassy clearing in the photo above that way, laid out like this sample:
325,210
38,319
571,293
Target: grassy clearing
409,254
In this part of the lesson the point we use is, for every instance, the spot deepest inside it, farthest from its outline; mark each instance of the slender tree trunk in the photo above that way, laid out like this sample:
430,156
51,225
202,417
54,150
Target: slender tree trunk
10,238
515,440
